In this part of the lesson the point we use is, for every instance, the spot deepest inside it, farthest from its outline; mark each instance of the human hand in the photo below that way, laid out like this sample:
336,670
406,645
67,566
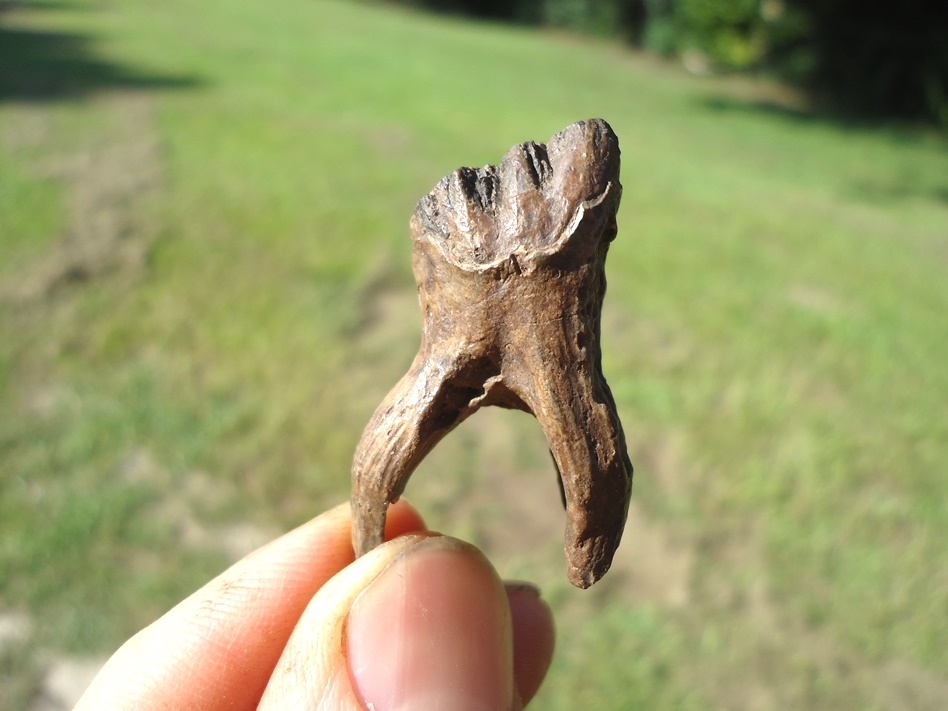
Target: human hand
421,622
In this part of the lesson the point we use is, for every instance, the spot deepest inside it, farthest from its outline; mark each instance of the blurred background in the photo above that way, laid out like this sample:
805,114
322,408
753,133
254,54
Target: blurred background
205,291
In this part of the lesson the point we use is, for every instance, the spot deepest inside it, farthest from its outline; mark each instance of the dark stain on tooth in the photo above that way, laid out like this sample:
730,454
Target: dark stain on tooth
537,162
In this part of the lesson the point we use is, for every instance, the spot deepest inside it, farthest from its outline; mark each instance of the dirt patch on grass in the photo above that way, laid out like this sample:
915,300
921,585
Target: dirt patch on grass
65,680
905,687
653,564
15,627
759,656
187,502
111,180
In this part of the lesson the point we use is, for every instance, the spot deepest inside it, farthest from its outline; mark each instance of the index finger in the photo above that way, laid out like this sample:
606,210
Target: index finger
218,648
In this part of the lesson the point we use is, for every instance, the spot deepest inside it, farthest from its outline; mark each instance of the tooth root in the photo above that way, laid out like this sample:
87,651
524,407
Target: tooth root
578,416
419,411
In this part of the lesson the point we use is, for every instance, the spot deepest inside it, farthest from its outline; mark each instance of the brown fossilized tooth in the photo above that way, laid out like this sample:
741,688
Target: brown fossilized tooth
509,262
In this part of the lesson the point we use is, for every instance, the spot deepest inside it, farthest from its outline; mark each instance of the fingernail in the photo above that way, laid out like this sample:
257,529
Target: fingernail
522,587
534,636
433,631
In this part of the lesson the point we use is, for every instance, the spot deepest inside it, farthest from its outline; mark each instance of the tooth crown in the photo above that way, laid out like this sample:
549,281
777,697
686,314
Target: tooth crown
509,263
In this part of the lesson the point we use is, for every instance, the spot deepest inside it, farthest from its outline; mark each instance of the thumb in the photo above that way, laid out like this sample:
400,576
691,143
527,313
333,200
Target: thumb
422,622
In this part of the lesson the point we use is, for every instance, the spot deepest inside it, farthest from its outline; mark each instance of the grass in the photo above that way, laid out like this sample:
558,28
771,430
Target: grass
774,335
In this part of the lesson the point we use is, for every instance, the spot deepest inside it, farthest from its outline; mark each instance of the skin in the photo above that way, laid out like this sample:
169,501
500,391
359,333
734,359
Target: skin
421,622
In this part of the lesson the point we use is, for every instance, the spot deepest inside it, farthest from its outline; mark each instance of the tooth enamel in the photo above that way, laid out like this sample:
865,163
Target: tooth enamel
509,264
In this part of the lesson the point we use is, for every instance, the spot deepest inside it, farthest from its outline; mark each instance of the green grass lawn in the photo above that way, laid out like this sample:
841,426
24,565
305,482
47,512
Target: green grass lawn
205,290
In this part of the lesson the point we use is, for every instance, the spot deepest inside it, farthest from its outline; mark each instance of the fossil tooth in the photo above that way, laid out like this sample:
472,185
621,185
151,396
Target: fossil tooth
509,263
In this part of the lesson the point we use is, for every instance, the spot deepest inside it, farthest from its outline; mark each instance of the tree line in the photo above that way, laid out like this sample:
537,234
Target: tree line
857,56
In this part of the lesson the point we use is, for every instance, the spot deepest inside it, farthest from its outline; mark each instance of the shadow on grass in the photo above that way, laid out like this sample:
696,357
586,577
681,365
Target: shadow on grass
904,189
907,186
899,130
42,65
724,104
